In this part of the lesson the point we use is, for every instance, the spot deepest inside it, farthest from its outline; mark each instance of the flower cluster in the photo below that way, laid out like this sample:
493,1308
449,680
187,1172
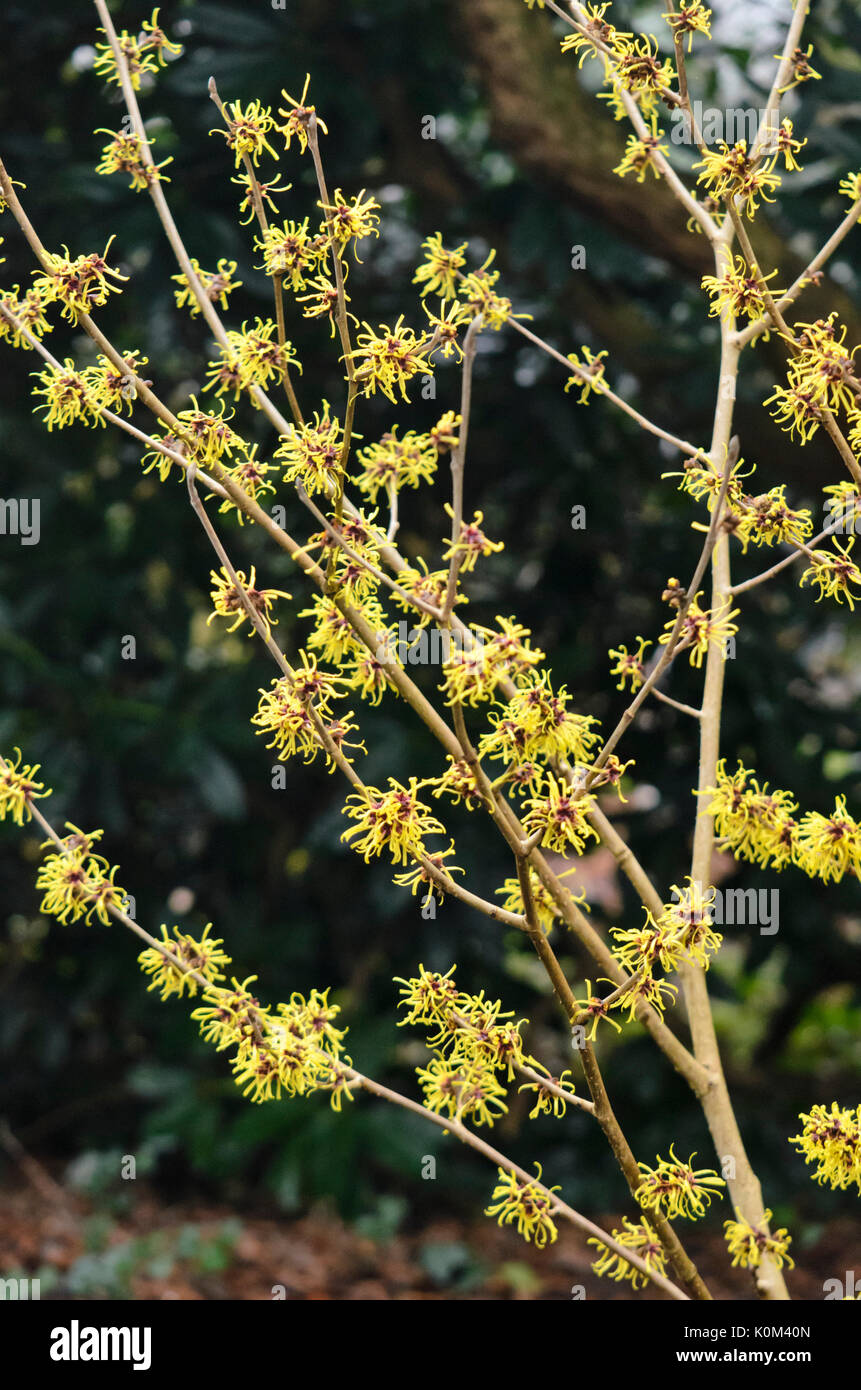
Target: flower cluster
640,1238
19,787
393,821
77,883
747,1244
200,956
760,826
677,1189
831,1139
529,1204
142,54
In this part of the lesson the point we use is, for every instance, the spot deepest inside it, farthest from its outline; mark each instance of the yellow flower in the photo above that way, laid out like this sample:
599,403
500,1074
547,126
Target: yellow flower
350,219
291,253
311,453
589,375
144,54
677,1189
747,1244
527,1203
19,787
739,291
731,172
462,1090
388,360
801,69
394,820
828,847
834,574
123,155
202,954
396,463
77,883
227,601
438,272
216,284
471,543
639,156
81,284
643,1241
832,1140
68,396
561,816
247,129
691,18
298,118
629,665
702,627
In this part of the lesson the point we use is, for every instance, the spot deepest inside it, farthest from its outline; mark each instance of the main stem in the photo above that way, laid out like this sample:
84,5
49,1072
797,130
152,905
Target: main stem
717,1107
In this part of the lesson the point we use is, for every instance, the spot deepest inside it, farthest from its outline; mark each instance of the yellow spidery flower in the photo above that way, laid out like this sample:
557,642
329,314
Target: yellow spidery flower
229,1017
526,1203
19,787
767,520
592,1008
639,1238
701,627
747,1244
438,272
265,190
396,463
77,883
850,187
298,117
828,847
832,1140
247,129
690,18
311,453
81,284
595,35
677,1189
550,1102
478,296
428,996
30,311
202,954
291,253
801,68
561,816
589,375
462,1090
731,172
388,360
350,219
458,782
395,821
471,543
639,156
68,396
834,574
738,292
143,55
216,284
227,601
630,666
123,155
